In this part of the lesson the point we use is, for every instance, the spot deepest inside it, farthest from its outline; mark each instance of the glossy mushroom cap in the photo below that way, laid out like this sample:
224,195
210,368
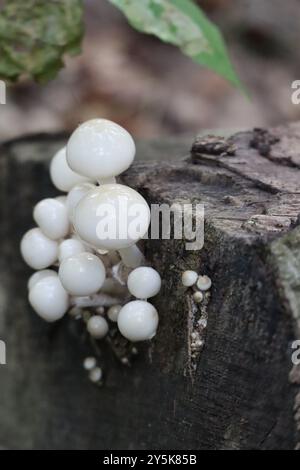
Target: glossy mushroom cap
144,282
49,299
100,149
61,174
38,251
111,217
51,216
82,274
138,321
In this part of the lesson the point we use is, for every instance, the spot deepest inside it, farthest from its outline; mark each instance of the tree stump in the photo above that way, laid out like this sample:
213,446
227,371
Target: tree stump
240,389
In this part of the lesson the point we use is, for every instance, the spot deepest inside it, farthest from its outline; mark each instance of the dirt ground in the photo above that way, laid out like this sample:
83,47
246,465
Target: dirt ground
153,90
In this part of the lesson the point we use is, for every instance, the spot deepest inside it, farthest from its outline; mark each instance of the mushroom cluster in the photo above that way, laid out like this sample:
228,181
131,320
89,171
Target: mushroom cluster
199,284
84,248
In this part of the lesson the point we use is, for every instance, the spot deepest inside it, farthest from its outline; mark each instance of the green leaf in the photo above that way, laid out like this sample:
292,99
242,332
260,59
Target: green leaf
35,35
183,24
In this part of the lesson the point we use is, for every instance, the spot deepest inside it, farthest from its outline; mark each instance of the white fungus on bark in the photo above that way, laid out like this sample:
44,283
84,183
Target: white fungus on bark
198,297
189,278
204,283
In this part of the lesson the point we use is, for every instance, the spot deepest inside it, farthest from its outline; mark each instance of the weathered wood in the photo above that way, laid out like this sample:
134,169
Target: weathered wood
239,391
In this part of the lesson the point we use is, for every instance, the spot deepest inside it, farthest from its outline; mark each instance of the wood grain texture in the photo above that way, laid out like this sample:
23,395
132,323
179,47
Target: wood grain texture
239,391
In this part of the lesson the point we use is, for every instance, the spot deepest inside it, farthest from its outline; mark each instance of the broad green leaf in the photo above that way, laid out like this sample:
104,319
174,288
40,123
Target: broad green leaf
35,35
183,24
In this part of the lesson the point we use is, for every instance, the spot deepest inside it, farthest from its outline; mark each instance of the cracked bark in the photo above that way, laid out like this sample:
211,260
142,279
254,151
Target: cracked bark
238,391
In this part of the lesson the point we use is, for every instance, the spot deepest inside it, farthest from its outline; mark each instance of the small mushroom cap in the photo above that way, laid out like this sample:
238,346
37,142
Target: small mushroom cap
49,299
189,278
95,375
97,326
70,247
51,216
82,274
204,283
144,282
89,363
138,321
111,217
39,275
75,195
113,312
38,251
61,174
62,199
198,297
100,149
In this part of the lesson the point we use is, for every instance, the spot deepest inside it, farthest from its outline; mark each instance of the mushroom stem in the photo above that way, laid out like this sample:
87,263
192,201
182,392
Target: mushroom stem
97,300
132,256
111,180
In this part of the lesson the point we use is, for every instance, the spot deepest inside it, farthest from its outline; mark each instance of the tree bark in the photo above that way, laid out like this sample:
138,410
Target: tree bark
240,390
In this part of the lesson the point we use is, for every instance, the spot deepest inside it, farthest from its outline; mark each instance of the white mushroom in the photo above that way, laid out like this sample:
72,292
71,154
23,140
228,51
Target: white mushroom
144,282
189,278
62,199
138,320
100,149
70,247
132,256
198,297
75,195
89,363
39,275
61,174
51,216
204,283
38,251
97,326
82,274
49,299
113,217
113,312
95,375
108,220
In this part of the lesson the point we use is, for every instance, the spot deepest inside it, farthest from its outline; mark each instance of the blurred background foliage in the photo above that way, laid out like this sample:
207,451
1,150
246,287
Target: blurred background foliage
154,90
36,35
